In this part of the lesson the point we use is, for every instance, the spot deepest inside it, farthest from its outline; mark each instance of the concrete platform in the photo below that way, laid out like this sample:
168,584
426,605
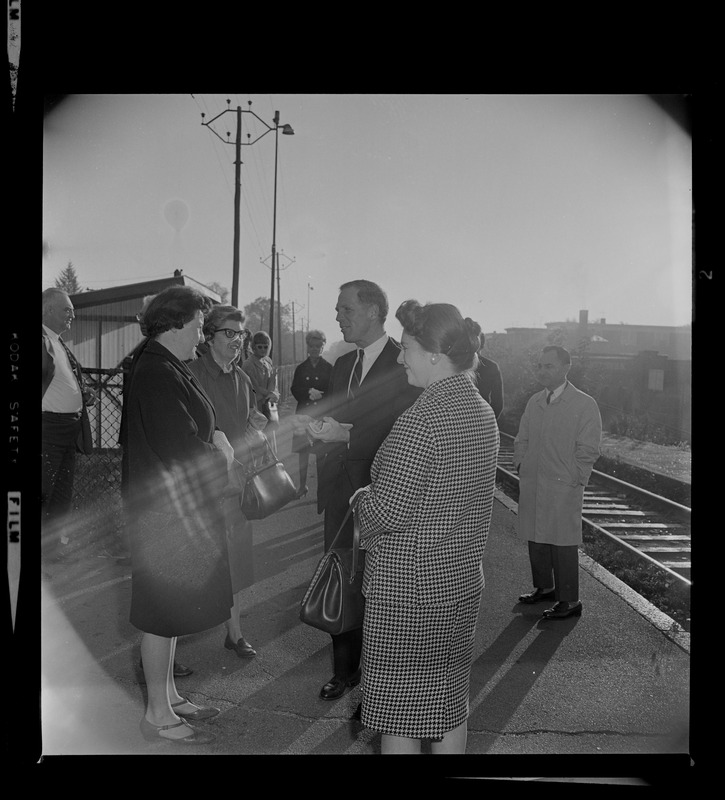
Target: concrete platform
613,683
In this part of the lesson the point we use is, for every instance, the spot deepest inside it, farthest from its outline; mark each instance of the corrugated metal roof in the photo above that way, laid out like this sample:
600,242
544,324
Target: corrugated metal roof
133,290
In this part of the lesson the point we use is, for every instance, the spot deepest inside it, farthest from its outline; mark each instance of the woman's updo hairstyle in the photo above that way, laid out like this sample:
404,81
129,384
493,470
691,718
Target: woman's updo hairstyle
440,328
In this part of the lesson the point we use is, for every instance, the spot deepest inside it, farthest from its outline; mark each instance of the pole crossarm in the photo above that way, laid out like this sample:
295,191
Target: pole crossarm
239,109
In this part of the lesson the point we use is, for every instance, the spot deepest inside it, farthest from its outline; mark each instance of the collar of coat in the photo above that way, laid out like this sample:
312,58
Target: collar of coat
563,396
452,384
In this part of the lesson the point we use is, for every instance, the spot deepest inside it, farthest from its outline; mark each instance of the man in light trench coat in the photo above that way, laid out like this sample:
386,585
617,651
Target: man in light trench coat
554,452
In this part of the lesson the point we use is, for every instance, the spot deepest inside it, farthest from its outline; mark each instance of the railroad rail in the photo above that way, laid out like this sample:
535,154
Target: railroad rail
654,528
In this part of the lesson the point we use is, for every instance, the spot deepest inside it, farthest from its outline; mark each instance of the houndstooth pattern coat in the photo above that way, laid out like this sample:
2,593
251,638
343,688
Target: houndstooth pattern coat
424,523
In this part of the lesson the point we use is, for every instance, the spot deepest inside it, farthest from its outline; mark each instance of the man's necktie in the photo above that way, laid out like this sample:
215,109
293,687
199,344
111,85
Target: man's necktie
356,379
75,369
548,398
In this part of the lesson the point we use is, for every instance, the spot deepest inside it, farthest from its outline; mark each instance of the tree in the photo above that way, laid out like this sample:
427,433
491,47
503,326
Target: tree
257,314
68,280
222,291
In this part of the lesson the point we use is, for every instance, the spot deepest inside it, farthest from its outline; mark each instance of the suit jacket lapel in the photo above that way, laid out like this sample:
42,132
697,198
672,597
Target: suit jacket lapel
388,355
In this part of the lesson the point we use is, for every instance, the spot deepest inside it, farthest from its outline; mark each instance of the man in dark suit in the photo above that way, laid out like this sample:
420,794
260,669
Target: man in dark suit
489,381
65,425
368,391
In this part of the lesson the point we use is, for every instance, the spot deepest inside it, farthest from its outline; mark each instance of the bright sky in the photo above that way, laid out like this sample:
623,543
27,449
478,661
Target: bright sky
519,209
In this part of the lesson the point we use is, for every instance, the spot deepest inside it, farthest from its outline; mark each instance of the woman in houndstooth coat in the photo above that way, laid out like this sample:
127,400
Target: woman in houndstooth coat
424,520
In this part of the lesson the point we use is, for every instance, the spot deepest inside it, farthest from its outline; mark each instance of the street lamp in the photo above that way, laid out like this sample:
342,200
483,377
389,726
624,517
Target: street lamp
286,129
309,288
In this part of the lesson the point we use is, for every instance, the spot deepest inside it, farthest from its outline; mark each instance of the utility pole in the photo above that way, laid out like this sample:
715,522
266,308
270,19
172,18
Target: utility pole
237,205
290,261
286,129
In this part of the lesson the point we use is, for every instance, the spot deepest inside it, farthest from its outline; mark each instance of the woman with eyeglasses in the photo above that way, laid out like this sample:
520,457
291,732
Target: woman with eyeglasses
231,394
261,371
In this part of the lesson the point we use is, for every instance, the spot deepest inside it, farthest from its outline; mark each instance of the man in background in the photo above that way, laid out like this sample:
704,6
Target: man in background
65,425
554,452
489,381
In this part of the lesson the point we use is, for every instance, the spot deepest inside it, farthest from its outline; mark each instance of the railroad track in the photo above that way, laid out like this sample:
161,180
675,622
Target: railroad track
652,527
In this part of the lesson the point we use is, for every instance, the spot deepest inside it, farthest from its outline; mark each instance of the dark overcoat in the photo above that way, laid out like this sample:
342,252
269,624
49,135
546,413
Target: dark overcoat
176,480
308,376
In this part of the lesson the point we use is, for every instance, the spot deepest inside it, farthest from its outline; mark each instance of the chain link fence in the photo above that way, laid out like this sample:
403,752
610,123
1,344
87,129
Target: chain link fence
97,483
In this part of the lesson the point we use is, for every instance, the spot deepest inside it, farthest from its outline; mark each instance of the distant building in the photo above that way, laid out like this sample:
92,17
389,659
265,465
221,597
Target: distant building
642,369
603,338
106,330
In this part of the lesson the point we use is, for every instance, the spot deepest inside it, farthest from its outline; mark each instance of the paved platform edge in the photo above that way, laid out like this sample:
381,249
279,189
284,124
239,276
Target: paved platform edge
671,629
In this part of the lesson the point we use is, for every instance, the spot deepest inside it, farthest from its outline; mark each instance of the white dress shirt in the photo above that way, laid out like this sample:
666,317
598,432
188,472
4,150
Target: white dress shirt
63,395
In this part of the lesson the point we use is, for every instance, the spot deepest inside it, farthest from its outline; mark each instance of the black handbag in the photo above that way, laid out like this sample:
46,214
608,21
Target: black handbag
334,601
267,487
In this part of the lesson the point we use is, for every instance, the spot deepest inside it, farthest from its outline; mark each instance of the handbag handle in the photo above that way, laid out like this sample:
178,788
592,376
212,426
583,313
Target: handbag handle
355,536
252,469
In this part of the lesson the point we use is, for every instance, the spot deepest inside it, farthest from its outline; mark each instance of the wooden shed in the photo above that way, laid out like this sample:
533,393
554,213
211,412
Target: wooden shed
106,330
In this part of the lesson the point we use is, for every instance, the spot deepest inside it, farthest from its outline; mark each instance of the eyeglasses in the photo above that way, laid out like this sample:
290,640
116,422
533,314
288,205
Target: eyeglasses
230,333
262,346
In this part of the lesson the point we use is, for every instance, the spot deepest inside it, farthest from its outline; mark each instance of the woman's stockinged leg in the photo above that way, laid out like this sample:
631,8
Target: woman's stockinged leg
157,654
399,745
174,696
453,742
175,699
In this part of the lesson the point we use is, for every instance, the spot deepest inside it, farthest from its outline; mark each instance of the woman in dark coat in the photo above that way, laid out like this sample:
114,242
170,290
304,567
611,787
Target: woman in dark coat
424,520
310,383
176,476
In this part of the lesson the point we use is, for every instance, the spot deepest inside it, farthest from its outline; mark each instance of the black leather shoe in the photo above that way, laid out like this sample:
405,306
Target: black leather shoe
199,713
537,596
336,687
242,647
562,610
180,671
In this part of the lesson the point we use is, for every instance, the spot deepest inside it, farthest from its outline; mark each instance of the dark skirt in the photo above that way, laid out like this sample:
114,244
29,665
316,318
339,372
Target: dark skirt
180,578
239,542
